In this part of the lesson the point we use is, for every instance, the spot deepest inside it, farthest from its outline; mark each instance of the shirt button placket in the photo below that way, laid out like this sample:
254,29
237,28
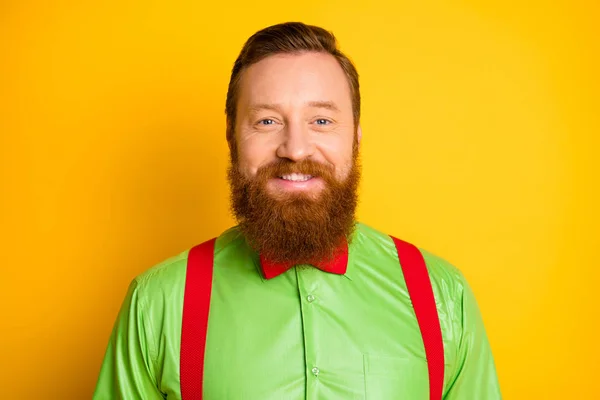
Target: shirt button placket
308,282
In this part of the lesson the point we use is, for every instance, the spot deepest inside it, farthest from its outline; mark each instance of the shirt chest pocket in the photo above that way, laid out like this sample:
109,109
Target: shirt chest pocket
395,378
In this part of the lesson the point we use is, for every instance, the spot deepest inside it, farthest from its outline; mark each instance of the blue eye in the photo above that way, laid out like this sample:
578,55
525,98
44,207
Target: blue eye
266,122
322,121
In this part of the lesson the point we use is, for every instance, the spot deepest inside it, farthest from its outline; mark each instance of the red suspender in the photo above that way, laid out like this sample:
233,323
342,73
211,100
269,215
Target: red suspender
196,303
421,295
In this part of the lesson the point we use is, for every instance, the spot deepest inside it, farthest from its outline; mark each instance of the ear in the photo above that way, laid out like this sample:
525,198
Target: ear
359,134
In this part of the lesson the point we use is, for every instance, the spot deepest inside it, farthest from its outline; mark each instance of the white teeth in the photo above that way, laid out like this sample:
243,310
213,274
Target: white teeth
296,177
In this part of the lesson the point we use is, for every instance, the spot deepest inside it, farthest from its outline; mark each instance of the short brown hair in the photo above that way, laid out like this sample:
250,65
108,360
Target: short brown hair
286,38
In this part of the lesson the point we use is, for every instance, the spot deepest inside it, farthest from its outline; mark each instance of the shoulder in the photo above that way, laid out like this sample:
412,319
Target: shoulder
162,280
168,276
446,279
449,286
443,274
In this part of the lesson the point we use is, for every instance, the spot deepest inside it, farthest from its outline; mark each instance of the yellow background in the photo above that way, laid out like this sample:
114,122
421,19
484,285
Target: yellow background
480,135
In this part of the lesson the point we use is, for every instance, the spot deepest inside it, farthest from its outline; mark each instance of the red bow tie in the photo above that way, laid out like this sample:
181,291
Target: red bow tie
337,265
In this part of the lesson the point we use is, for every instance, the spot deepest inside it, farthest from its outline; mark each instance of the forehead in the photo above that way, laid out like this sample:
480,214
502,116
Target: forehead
293,80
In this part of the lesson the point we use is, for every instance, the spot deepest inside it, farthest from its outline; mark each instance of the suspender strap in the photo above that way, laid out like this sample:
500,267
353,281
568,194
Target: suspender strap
423,301
196,304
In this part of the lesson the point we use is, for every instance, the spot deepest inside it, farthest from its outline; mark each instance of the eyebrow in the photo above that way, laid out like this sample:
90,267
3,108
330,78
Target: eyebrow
255,108
329,105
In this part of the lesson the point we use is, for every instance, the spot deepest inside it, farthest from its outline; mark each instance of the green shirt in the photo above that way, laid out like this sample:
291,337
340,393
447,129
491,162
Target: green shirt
305,334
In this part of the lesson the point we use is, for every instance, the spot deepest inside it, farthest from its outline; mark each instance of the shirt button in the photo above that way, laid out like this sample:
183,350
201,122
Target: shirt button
310,298
315,371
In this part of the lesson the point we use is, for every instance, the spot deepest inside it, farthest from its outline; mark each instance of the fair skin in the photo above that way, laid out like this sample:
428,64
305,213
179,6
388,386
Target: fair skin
295,107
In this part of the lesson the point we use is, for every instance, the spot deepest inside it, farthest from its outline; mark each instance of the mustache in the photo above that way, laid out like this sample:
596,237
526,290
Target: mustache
304,167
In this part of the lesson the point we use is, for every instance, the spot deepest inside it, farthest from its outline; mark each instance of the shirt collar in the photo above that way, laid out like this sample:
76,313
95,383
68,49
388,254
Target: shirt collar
337,265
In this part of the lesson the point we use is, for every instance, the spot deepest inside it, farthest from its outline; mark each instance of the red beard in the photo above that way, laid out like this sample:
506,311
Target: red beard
295,227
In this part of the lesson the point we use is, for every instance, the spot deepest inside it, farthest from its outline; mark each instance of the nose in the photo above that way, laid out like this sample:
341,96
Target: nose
297,143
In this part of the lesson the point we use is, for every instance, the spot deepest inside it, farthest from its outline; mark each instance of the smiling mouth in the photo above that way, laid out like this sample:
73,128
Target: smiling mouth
296,177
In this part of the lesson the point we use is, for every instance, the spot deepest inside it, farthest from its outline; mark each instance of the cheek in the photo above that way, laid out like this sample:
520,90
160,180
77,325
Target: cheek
340,156
343,170
252,154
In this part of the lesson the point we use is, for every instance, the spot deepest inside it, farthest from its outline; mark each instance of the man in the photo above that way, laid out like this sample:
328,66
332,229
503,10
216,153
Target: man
299,301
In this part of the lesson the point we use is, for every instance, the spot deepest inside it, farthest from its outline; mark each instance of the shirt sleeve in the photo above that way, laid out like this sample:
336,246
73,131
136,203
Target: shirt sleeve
475,376
128,371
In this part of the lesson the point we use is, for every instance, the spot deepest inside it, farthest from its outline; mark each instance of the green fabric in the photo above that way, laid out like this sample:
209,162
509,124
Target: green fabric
356,337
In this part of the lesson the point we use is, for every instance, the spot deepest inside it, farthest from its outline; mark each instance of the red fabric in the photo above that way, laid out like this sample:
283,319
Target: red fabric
337,265
196,304
423,301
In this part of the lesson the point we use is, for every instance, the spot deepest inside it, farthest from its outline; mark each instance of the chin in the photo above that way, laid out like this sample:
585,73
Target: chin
295,194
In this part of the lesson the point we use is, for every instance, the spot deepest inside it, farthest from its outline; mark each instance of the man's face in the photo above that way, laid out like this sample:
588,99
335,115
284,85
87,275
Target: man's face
296,108
294,180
